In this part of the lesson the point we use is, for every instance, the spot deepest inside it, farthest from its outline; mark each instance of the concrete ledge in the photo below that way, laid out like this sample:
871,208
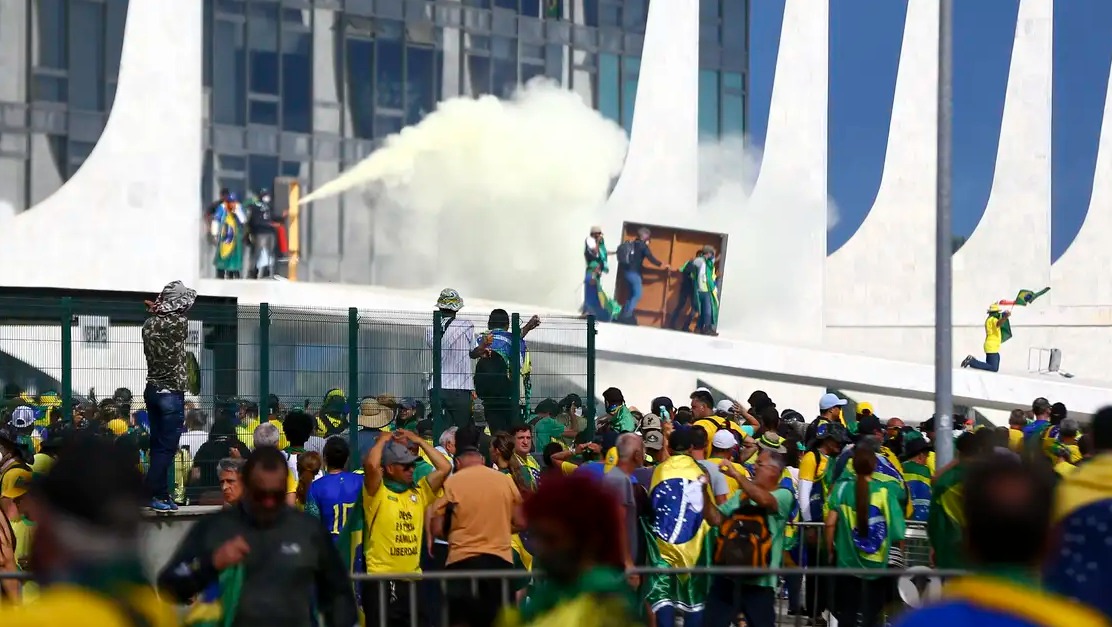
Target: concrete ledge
162,533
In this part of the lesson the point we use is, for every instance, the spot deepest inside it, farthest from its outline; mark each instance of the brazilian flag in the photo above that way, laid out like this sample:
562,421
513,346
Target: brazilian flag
350,544
553,9
1026,297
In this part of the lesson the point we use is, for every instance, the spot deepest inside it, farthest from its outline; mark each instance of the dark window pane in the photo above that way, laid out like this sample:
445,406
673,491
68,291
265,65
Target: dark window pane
635,15
263,113
506,4
708,104
502,48
50,89
607,90
420,87
504,80
631,69
52,34
530,71
291,168
264,72
388,75
229,74
263,19
297,82
387,125
480,75
261,171
590,12
116,11
234,163
609,15
532,8
733,24
360,86
554,62
733,104
708,9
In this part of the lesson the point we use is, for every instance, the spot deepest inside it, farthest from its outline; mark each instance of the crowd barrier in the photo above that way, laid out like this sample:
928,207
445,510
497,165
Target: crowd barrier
81,357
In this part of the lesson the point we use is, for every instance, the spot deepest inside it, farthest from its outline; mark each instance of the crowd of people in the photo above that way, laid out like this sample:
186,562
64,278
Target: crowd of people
699,287
606,520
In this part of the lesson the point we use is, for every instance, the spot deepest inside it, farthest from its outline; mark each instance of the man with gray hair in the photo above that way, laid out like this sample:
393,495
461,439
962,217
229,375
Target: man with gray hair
230,472
632,255
447,443
631,456
266,434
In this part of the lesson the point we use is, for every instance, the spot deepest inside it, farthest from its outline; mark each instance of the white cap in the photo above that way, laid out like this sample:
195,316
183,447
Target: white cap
724,440
725,405
830,400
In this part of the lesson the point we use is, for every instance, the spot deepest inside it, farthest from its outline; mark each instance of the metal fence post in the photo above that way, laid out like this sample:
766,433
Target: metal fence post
355,460
437,371
67,357
264,361
515,364
589,402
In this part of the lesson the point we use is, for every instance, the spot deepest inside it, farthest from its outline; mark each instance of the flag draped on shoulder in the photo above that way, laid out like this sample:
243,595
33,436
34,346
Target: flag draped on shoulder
678,536
350,544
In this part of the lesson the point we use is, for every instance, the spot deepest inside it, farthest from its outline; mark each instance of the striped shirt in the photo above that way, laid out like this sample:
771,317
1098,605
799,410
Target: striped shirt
455,352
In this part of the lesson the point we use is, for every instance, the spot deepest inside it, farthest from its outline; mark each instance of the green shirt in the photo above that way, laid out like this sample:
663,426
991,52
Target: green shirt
947,518
886,525
777,522
547,430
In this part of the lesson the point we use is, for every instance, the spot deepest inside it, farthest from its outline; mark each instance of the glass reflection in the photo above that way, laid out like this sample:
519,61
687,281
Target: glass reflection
229,73
86,89
297,81
360,86
389,85
479,68
708,104
420,83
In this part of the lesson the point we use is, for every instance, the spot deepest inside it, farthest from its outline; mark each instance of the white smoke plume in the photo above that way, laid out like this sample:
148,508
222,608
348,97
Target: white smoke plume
494,197
489,196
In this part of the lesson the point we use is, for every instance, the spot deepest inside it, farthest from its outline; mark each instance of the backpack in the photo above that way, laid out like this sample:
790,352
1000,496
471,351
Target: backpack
625,253
744,538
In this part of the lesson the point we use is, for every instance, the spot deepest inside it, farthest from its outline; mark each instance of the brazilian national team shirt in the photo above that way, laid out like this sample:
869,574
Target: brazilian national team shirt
333,496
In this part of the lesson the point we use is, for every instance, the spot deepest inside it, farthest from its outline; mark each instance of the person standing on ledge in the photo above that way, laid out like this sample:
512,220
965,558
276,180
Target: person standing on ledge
164,334
996,328
632,256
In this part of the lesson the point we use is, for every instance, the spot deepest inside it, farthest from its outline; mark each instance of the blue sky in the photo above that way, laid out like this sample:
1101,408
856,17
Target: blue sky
865,39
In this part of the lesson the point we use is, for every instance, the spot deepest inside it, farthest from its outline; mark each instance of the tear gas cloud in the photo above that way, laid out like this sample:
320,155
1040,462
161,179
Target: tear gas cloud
496,196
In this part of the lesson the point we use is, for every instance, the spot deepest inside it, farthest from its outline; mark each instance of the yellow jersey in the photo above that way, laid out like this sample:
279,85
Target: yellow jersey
70,605
396,522
993,335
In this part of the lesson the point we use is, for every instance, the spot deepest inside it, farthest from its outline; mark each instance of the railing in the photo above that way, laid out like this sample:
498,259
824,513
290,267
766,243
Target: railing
81,359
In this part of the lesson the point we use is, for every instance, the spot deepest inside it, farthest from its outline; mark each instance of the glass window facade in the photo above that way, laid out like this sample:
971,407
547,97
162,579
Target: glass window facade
306,88
55,92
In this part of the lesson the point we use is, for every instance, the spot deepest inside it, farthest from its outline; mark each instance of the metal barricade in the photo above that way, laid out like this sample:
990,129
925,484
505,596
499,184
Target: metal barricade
422,600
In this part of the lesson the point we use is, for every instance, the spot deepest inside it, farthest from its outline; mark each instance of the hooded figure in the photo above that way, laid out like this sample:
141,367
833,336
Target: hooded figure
168,369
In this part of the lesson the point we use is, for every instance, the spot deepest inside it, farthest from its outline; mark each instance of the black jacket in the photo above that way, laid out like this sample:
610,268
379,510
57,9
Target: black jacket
289,562
638,257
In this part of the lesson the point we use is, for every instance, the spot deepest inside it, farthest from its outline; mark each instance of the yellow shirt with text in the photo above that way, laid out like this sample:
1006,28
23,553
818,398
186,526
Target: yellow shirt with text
397,519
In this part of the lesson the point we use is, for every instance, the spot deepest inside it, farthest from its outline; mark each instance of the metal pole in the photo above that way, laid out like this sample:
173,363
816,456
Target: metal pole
589,401
515,367
943,282
264,362
353,402
438,425
66,336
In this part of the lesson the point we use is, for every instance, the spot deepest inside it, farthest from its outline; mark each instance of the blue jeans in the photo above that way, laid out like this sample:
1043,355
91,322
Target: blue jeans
591,304
729,597
991,363
633,281
706,313
166,410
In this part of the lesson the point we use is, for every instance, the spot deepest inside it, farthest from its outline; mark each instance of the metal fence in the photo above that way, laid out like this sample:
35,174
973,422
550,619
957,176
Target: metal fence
81,357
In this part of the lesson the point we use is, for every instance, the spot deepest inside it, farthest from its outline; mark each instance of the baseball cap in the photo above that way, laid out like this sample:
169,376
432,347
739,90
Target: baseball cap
653,439
830,400
724,440
724,405
397,453
16,483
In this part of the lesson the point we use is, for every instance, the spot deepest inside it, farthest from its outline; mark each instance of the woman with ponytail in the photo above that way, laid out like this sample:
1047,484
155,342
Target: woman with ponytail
864,523
308,467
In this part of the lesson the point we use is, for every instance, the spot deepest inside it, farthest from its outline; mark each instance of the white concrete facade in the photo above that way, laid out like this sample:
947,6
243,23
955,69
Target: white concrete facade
143,181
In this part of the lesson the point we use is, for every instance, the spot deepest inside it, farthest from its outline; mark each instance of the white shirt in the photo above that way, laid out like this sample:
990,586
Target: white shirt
455,352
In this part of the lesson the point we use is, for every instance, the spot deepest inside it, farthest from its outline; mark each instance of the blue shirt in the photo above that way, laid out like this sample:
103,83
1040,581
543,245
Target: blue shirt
332,498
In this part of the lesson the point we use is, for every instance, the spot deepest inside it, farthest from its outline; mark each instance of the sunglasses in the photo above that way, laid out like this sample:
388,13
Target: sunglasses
409,466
